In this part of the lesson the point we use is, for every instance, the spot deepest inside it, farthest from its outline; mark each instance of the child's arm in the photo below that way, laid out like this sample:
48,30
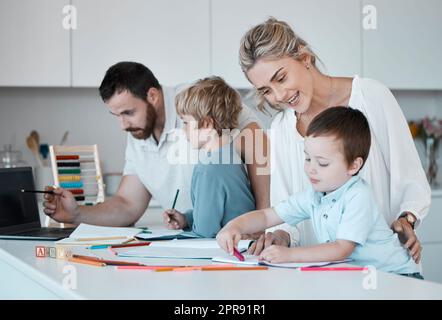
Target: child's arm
331,251
248,223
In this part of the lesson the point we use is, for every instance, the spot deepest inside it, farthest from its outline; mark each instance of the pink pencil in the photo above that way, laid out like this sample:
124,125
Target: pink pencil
153,268
238,254
332,269
174,268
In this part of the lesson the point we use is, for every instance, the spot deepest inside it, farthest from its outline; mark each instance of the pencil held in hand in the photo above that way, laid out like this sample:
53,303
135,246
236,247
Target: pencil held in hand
37,191
238,254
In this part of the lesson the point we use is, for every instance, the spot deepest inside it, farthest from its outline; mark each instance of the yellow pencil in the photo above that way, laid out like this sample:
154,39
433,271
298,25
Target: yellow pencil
102,238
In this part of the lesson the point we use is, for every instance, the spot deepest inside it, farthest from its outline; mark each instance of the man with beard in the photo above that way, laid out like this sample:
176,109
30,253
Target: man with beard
146,110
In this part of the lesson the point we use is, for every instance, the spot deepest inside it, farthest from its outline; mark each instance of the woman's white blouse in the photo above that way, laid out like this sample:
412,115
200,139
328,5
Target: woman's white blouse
393,168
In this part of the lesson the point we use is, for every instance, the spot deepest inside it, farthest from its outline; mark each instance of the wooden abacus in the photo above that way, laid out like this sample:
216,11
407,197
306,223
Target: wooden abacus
77,169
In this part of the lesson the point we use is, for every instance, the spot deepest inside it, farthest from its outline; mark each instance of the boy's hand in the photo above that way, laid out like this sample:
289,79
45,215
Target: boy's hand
278,254
174,219
228,238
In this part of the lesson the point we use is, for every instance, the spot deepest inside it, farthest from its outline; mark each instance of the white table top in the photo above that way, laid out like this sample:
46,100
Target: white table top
275,283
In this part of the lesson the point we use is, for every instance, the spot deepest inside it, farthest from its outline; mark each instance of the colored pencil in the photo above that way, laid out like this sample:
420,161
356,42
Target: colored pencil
130,245
174,268
176,197
238,254
235,268
38,191
332,269
107,262
89,262
146,267
101,238
101,246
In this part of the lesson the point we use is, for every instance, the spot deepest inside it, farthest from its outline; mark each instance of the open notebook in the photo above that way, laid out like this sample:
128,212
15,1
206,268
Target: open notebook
86,234
253,260
165,234
180,249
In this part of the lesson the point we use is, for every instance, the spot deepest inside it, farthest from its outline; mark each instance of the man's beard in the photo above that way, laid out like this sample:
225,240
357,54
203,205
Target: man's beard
146,132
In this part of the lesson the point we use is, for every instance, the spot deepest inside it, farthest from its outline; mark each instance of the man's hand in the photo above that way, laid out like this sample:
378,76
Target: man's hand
174,219
279,237
408,237
60,206
277,254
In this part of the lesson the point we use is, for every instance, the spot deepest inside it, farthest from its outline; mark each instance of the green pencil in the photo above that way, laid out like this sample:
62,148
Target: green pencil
176,197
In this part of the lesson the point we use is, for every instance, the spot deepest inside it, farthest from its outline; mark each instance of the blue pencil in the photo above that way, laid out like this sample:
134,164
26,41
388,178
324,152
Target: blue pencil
102,246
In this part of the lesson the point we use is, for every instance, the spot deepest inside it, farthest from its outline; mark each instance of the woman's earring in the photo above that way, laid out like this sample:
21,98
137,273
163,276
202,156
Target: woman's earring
307,66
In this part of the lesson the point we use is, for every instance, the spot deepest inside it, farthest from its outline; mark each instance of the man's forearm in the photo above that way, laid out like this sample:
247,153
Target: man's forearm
114,212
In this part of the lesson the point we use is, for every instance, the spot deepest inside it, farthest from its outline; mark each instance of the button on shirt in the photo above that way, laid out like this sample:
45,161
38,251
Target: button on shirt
350,213
167,166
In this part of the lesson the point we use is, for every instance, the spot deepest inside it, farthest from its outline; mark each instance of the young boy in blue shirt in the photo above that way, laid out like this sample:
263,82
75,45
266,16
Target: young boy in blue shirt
220,187
340,204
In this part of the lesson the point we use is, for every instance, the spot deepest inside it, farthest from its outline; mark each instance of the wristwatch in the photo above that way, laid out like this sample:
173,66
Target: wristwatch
410,218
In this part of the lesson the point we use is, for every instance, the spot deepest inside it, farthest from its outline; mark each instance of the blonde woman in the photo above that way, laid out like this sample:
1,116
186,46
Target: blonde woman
283,69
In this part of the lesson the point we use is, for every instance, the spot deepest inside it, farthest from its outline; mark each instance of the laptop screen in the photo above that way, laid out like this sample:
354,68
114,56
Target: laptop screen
18,210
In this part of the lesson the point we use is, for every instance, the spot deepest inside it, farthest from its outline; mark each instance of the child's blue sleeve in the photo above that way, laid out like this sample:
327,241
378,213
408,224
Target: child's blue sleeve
189,218
357,218
296,208
209,205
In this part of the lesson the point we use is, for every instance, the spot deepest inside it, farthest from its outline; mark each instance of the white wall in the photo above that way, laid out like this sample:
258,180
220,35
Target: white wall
51,111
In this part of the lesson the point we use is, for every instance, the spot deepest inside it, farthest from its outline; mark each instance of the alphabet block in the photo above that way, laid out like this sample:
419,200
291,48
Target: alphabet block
40,252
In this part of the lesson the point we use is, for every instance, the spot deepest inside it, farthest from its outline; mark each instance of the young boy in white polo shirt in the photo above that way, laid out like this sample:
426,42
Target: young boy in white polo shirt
220,187
340,204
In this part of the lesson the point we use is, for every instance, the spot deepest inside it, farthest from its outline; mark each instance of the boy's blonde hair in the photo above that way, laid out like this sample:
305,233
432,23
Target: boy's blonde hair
211,98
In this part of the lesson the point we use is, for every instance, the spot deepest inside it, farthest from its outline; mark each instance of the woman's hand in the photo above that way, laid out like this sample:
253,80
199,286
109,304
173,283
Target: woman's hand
278,254
279,237
408,238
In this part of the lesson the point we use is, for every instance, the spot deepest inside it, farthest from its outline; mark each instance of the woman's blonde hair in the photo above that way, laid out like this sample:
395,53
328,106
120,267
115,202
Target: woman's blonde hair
211,98
272,39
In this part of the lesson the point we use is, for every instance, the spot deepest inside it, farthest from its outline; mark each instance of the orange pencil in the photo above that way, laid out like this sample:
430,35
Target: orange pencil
164,269
89,262
203,267
234,268
107,262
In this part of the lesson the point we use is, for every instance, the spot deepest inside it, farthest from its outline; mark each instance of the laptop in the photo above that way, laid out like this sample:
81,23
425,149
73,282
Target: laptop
19,216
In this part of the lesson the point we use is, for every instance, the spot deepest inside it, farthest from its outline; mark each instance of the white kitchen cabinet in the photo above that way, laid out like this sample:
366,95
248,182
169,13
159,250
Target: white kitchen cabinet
404,52
332,28
170,37
34,45
431,228
430,235
432,261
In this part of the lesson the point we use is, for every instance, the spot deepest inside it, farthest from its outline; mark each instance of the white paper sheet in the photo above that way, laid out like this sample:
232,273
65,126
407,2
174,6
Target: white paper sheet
86,231
253,260
180,249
